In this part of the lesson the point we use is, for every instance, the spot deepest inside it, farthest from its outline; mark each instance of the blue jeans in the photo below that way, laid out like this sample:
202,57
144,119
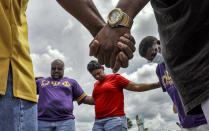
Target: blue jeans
110,124
65,125
16,114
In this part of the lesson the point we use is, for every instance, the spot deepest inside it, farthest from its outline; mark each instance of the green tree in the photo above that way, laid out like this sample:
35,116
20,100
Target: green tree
129,123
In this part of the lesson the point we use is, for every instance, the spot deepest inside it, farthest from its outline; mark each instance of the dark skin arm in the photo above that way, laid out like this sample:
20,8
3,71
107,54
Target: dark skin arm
86,12
142,87
132,7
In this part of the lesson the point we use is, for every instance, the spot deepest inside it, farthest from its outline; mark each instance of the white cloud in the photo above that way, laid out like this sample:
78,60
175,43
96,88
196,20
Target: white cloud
158,121
49,54
144,74
69,26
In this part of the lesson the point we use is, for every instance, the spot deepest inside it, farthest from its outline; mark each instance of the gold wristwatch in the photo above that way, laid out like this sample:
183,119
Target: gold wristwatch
117,17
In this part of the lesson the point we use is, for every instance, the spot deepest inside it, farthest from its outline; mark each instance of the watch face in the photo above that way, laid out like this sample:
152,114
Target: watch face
115,16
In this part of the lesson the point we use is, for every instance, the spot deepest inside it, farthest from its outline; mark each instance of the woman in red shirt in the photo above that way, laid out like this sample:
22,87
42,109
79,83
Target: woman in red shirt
109,99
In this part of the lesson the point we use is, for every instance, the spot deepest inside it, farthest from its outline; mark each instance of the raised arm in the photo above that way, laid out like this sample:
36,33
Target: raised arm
86,12
142,87
89,100
131,7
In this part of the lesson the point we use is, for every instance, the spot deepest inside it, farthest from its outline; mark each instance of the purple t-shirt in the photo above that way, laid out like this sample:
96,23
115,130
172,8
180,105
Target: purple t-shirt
168,86
56,98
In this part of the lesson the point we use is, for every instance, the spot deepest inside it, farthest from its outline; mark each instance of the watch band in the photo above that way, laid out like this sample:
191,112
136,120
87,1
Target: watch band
126,21
123,19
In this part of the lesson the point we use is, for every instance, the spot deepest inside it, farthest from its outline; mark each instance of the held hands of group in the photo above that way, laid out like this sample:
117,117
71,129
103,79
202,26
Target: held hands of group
113,47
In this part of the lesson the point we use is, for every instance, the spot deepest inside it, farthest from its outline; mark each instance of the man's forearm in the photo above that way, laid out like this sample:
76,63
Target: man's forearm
142,87
146,87
131,7
86,12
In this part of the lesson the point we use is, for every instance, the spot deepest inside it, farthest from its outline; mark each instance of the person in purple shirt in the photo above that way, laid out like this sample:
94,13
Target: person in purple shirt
56,96
149,48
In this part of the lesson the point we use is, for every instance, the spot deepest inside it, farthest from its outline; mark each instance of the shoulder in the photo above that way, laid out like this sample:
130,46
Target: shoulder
114,75
118,76
96,83
120,79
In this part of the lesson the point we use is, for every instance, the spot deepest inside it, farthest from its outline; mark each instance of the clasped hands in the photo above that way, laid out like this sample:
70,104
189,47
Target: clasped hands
113,47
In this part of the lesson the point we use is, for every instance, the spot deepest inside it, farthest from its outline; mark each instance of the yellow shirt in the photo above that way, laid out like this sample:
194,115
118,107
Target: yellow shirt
14,49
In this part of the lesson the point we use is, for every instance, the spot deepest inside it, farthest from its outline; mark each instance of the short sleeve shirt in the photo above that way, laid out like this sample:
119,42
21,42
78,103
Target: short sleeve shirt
56,98
187,121
108,96
15,50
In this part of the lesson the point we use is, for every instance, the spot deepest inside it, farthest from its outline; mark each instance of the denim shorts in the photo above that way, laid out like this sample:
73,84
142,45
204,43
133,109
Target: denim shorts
16,114
110,124
65,125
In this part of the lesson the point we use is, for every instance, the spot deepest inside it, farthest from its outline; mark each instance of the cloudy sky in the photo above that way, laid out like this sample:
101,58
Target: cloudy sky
53,33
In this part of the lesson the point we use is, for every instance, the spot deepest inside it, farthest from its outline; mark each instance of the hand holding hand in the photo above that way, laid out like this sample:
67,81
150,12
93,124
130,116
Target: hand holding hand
126,44
107,37
113,47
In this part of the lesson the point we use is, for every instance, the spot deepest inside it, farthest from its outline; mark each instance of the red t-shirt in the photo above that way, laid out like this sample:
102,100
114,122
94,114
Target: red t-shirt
108,96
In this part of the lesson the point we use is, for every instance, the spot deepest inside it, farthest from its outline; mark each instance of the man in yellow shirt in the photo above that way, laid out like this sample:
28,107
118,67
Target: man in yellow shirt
17,83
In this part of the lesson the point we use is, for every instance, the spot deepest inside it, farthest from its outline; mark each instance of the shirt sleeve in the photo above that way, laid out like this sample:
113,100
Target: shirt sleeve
122,81
159,77
78,94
